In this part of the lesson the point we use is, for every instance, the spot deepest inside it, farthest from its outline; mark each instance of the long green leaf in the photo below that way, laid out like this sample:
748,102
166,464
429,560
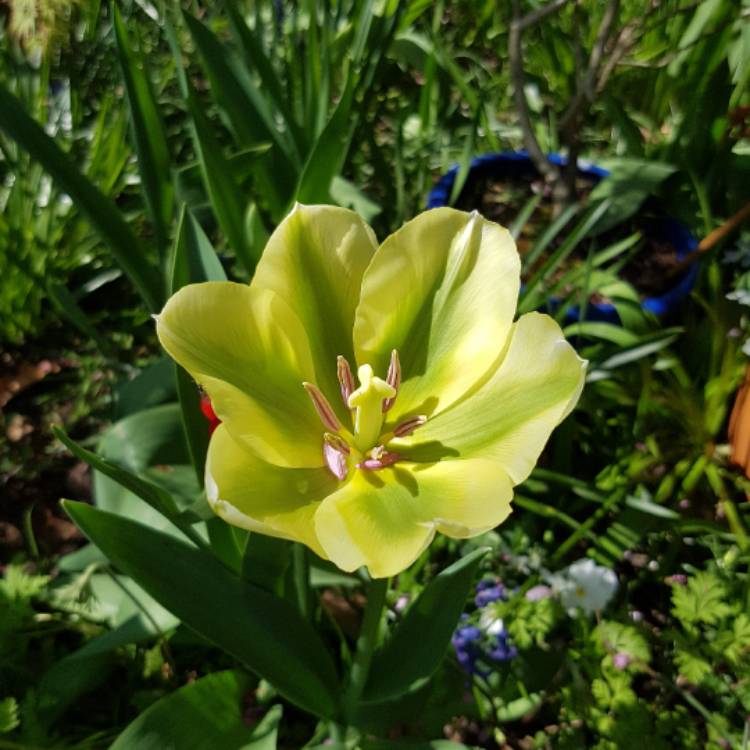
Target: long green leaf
101,211
204,714
222,188
329,153
154,163
262,631
418,644
249,115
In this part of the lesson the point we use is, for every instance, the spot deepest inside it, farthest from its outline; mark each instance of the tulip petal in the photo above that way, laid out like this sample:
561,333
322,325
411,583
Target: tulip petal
252,494
315,260
248,350
385,519
510,416
442,291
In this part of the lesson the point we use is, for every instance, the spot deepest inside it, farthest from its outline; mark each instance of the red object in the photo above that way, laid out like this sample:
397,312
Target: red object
209,413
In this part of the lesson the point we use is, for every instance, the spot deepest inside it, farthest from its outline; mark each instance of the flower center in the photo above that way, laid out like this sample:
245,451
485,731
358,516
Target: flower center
366,447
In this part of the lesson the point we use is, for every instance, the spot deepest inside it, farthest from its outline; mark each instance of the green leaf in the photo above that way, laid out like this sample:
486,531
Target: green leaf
101,211
628,185
264,632
194,258
204,714
137,618
265,562
249,115
154,163
329,152
416,647
158,498
154,385
700,600
9,718
225,194
692,667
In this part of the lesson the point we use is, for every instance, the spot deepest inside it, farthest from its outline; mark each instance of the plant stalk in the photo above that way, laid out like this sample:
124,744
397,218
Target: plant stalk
368,639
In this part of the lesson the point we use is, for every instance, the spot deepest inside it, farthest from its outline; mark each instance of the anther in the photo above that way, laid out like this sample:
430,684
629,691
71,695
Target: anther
393,378
324,409
335,461
379,459
407,427
346,379
337,442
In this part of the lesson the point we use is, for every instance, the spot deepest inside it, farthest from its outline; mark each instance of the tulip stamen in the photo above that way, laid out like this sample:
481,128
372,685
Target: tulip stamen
379,458
393,378
325,410
346,379
408,426
335,460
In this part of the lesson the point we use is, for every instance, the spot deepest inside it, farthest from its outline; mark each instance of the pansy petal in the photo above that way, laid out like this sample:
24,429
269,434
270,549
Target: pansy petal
385,519
249,351
510,416
315,260
248,492
442,291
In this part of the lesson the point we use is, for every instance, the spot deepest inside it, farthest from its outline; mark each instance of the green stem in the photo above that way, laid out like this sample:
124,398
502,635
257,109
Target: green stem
366,643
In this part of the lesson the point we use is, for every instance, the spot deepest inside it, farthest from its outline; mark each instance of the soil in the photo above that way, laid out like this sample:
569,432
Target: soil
39,386
650,270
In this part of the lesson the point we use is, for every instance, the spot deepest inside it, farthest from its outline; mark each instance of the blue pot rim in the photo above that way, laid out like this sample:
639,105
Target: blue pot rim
678,233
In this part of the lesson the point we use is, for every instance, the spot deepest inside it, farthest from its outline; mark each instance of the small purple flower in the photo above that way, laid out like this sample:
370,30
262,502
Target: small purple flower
489,590
537,593
678,579
621,660
503,650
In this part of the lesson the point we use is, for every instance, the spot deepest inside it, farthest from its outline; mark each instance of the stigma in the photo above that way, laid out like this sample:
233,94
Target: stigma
365,447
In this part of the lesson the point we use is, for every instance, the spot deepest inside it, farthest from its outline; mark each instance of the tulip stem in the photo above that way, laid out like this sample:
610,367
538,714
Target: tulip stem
369,636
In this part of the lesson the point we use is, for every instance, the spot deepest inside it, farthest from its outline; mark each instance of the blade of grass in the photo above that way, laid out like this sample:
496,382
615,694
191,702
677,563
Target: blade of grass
127,251
154,163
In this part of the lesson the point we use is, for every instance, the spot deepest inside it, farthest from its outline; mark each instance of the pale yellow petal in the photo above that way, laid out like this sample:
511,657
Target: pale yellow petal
442,291
252,494
249,351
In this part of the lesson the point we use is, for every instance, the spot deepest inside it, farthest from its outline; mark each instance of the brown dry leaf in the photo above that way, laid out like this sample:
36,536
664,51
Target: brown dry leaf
26,375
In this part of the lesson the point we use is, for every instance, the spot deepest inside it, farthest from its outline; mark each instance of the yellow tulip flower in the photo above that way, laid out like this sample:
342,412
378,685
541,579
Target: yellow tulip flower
452,402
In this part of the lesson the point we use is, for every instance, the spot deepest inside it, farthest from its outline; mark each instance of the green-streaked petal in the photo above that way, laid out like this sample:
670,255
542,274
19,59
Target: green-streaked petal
442,291
510,417
385,519
249,351
248,492
315,260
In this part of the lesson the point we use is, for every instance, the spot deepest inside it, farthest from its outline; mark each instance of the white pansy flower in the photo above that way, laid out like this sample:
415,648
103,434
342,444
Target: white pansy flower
585,586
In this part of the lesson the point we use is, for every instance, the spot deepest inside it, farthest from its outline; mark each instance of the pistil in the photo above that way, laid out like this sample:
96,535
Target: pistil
368,401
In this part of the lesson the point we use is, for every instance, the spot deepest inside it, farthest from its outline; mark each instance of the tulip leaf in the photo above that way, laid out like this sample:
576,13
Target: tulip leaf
416,647
248,113
262,631
100,210
223,190
329,153
205,713
154,162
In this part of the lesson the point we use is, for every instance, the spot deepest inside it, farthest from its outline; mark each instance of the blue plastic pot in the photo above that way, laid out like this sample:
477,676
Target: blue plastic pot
518,165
